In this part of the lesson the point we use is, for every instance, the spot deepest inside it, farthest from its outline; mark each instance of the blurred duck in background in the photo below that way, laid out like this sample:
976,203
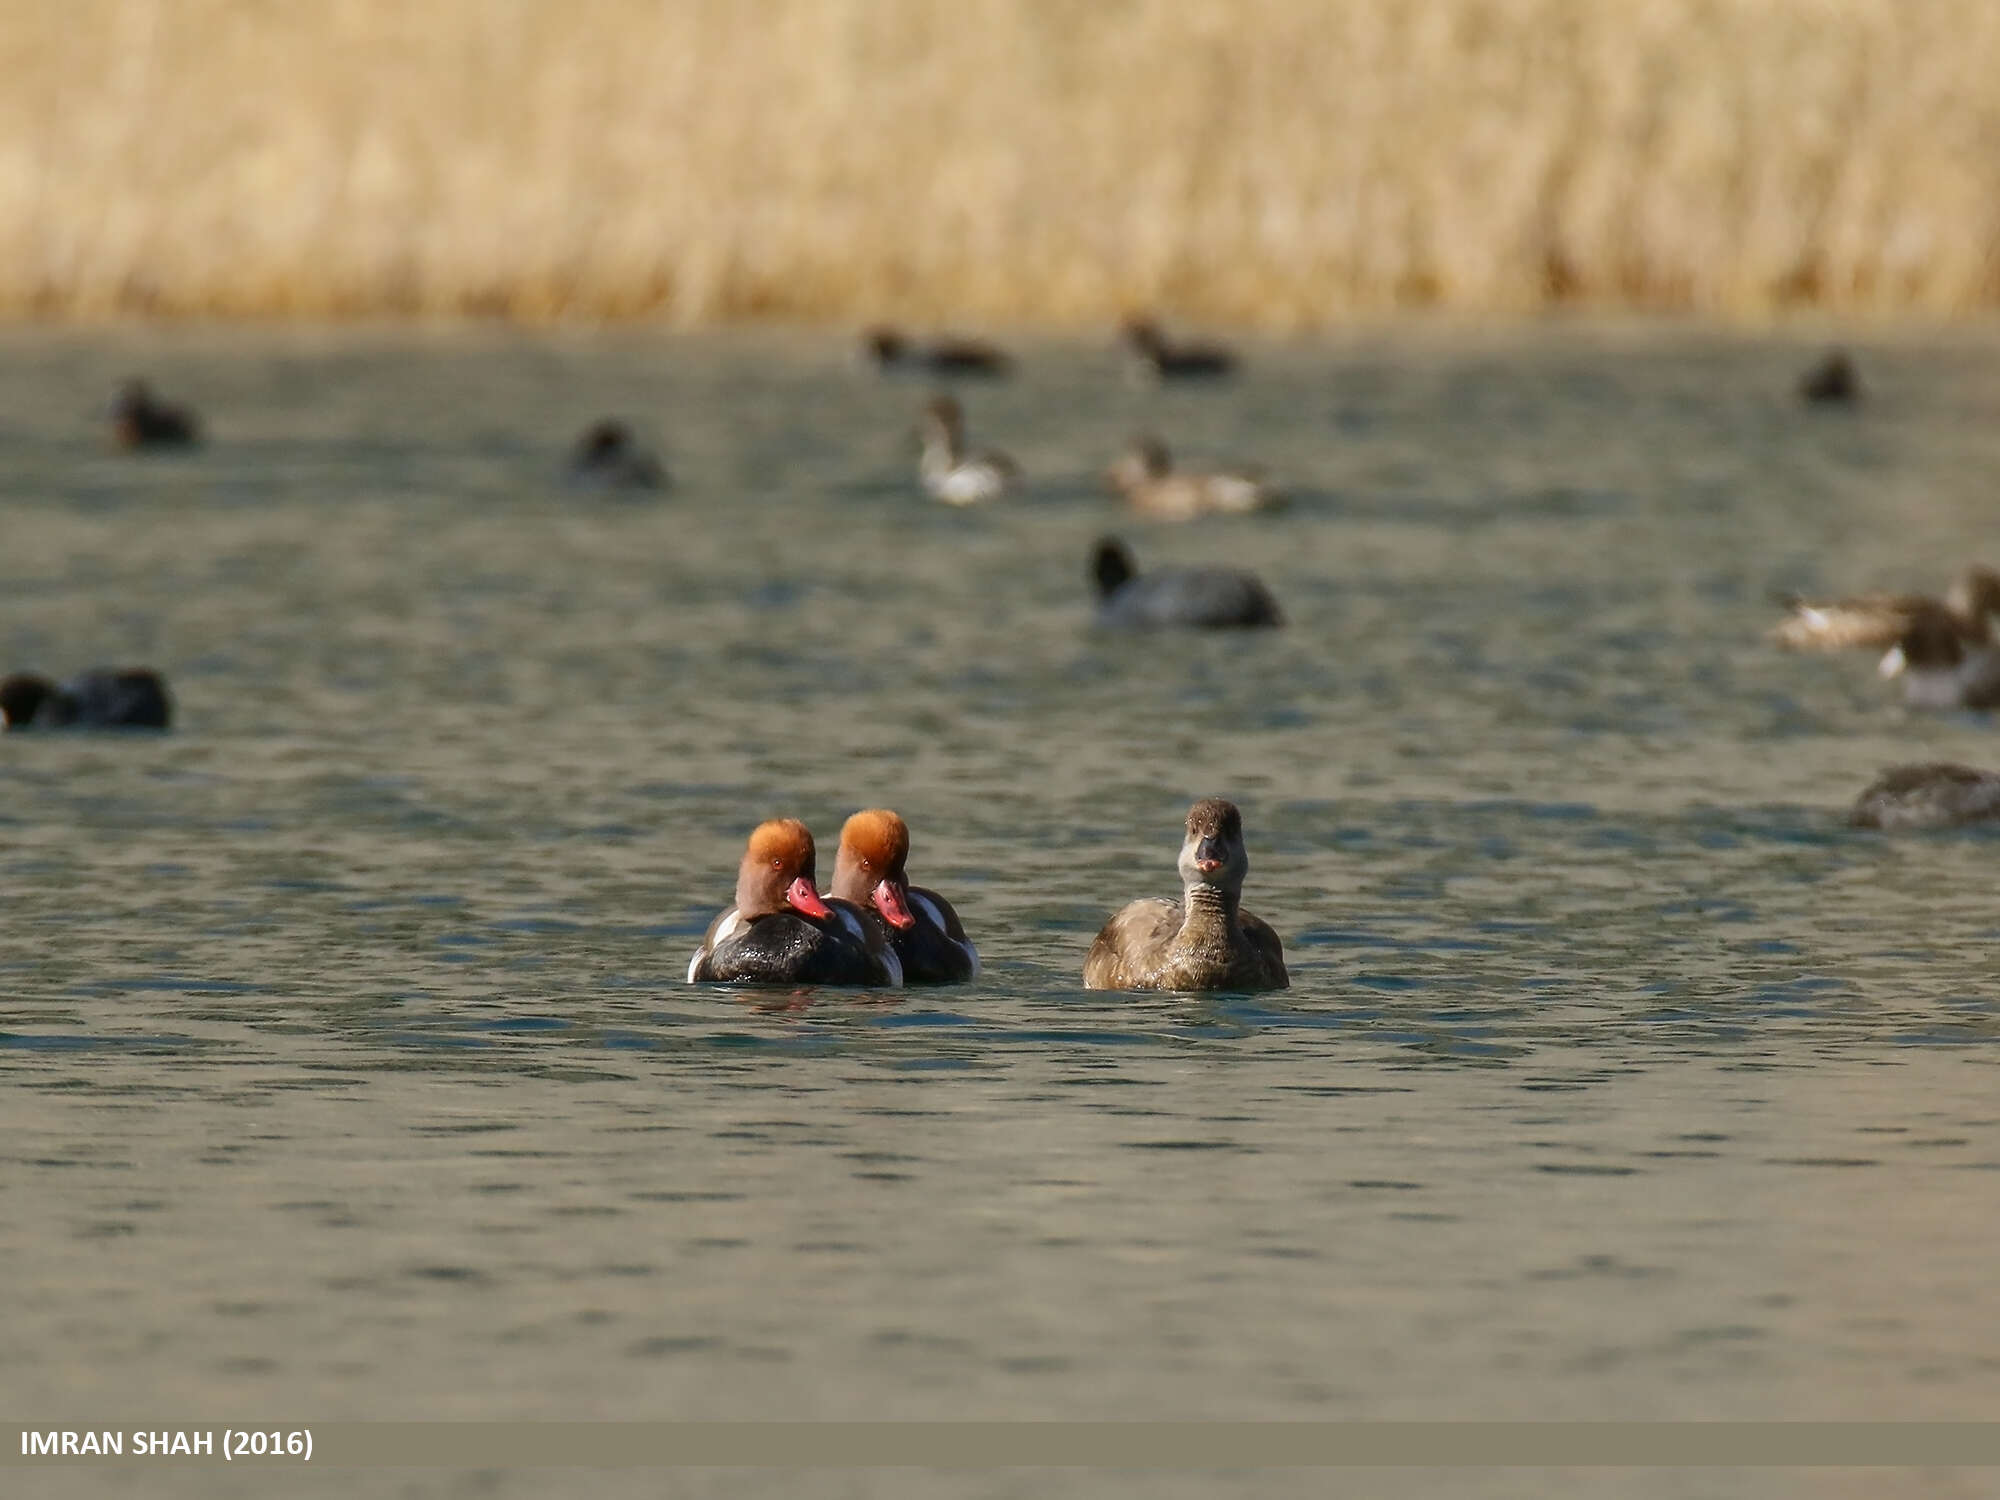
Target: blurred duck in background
1936,794
102,698
947,355
608,457
1832,382
1201,598
952,473
1145,475
1156,356
1942,648
140,420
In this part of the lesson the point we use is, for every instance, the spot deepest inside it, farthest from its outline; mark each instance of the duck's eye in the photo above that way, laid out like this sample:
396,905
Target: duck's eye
867,864
777,864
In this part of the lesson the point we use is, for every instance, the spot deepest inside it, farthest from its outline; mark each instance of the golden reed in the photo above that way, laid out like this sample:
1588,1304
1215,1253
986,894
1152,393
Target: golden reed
1283,163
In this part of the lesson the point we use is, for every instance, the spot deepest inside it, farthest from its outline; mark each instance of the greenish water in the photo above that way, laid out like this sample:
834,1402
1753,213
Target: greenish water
348,1070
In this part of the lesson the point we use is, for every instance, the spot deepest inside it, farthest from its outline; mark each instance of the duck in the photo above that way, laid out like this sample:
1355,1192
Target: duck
139,419
1145,475
780,931
952,474
1833,381
607,456
1918,631
102,698
1164,360
1205,940
948,354
923,928
1940,669
1202,598
1934,794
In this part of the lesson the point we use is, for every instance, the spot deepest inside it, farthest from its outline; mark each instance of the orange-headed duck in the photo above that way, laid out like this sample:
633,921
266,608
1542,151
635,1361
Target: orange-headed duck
103,698
946,355
1832,382
1145,475
1944,645
1164,360
1205,940
1932,795
1203,598
949,472
781,932
139,419
608,457
874,846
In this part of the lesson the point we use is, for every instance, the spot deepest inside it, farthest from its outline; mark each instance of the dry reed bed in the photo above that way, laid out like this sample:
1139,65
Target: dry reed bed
1274,162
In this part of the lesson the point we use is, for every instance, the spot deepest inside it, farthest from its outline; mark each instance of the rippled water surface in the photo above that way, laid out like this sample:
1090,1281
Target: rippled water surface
349,1070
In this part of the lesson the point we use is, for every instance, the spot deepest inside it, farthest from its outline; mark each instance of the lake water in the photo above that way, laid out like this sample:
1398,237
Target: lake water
349,1073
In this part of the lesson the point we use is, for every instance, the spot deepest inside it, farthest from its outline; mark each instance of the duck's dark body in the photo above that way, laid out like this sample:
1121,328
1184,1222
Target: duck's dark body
103,698
1935,794
935,949
788,947
1203,598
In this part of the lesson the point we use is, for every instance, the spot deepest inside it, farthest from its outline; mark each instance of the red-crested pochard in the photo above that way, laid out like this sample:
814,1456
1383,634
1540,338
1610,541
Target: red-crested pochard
1205,940
869,871
781,932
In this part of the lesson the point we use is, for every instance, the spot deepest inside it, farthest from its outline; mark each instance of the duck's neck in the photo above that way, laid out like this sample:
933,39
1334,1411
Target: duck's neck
1210,926
943,447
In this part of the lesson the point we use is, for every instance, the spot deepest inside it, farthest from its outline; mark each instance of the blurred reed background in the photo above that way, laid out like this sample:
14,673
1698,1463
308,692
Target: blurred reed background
1281,163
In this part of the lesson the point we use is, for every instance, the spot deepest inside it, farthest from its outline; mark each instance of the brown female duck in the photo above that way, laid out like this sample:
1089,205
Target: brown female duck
1204,941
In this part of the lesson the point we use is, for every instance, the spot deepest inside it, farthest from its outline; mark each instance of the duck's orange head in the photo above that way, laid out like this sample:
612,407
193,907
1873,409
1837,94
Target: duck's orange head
874,845
777,871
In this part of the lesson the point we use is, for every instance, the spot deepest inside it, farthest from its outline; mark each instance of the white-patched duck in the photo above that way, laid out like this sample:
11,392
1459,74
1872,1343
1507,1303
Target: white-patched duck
925,931
781,932
1205,940
1943,648
952,473
1150,483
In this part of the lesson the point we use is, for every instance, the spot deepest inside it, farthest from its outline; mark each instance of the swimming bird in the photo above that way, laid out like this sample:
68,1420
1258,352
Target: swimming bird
1203,598
1941,669
1938,641
1833,381
949,472
102,698
1204,941
1931,795
607,456
139,419
781,932
1165,360
923,928
946,355
1145,475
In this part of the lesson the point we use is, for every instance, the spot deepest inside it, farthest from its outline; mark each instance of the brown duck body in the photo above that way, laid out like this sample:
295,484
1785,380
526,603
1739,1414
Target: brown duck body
1934,794
1198,944
1205,940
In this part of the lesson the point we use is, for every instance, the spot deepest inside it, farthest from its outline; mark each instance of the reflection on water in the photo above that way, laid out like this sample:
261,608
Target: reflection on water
351,1069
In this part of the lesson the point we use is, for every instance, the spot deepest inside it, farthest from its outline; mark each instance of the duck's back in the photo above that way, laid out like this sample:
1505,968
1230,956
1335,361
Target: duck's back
935,950
1209,598
1930,795
782,948
128,698
1132,945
